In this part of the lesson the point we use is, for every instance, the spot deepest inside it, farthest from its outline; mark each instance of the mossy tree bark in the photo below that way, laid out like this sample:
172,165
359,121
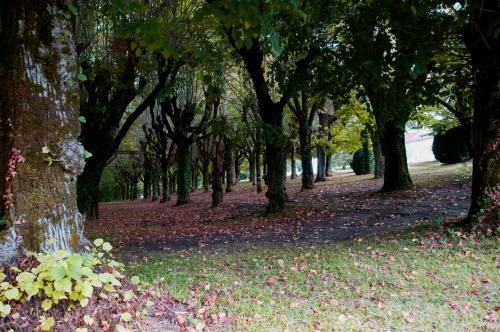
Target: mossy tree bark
39,122
483,42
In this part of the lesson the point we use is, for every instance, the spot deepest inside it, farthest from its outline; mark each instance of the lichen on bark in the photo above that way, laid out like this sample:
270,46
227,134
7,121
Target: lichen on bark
38,59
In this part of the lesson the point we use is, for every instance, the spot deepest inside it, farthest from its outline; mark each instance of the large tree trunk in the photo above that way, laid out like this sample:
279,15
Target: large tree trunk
38,125
396,174
87,187
306,157
275,177
483,41
183,171
217,190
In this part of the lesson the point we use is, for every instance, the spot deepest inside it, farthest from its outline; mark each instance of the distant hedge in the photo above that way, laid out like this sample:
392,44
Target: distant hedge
358,163
453,146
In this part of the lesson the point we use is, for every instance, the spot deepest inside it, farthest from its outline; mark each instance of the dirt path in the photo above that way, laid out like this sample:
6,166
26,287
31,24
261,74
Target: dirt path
344,207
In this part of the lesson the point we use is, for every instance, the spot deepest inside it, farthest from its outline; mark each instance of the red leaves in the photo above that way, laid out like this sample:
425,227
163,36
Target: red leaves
15,158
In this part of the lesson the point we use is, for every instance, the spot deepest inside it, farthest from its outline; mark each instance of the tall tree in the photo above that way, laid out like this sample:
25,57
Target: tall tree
482,38
40,156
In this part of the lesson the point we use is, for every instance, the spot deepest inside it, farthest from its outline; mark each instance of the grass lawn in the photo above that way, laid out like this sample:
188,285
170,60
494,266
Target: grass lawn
411,281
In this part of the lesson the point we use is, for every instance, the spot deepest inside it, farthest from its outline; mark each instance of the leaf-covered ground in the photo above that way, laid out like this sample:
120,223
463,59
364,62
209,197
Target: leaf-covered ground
292,271
418,281
343,207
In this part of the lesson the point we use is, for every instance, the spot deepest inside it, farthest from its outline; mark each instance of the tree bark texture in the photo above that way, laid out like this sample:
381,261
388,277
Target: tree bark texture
39,125
483,42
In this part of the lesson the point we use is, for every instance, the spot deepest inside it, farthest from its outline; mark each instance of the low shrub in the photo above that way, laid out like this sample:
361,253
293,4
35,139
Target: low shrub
78,292
358,164
453,146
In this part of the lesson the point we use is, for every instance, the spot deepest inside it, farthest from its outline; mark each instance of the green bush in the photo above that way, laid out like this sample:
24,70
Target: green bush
453,146
40,282
358,164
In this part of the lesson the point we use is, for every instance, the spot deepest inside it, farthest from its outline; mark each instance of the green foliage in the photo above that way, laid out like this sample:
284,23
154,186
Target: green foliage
453,146
438,119
358,164
60,276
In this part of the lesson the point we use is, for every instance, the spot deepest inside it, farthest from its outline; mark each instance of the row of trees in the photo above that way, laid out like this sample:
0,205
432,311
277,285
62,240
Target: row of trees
180,67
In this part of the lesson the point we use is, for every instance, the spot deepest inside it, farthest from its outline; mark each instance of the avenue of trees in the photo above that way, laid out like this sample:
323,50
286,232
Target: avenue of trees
115,99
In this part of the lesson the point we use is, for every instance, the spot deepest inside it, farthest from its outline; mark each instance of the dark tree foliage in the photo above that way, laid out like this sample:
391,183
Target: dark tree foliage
359,163
452,146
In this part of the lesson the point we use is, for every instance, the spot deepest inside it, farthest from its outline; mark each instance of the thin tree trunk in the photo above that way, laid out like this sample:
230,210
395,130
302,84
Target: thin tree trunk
321,176
154,183
292,163
229,163
38,109
183,172
377,155
165,186
251,166
306,157
483,41
217,190
328,165
366,152
206,176
258,170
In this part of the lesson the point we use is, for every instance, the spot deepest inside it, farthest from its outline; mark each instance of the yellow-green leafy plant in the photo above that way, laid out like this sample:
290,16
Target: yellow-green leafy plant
60,276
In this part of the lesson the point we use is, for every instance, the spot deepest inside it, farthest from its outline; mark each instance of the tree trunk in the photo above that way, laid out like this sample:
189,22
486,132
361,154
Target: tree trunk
154,182
275,177
251,166
165,186
366,152
183,171
396,174
483,42
321,174
377,155
206,175
38,111
147,170
328,164
87,188
217,192
292,163
194,179
229,163
258,170
306,157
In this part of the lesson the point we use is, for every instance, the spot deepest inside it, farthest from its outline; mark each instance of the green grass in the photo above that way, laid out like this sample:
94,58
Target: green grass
405,282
